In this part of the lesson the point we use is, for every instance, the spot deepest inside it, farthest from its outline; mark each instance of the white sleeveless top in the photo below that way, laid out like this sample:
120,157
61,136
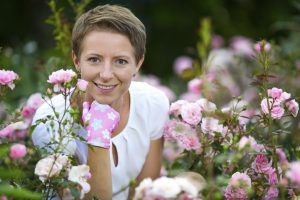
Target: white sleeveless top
148,114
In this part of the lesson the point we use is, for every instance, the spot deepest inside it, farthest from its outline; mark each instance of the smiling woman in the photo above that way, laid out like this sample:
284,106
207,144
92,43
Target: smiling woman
124,118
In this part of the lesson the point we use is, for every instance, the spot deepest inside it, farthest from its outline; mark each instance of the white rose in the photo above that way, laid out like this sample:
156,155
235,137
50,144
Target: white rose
165,187
50,166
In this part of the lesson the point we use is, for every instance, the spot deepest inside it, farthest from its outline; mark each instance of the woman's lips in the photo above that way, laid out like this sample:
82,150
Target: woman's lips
105,89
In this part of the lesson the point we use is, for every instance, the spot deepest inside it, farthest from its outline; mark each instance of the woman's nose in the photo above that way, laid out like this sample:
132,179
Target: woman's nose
106,73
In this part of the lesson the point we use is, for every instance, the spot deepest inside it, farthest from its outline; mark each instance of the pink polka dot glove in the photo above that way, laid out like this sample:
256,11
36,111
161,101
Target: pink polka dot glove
100,121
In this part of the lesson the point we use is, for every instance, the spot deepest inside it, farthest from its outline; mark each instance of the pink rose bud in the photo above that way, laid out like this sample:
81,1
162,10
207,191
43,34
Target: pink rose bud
88,175
17,151
82,84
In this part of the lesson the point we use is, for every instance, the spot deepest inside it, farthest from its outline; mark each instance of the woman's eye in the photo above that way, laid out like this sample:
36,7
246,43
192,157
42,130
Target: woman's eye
121,61
93,60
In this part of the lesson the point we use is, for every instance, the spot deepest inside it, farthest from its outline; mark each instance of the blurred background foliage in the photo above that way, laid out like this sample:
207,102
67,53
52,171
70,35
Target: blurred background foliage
34,34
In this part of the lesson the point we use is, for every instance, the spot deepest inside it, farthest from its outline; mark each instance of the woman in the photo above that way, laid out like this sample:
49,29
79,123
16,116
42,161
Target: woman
108,51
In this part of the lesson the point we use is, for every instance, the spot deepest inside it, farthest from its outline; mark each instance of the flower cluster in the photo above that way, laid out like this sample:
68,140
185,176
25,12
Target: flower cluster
274,103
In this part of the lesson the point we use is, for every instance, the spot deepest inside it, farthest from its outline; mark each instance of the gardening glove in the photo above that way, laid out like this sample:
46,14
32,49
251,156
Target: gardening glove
100,121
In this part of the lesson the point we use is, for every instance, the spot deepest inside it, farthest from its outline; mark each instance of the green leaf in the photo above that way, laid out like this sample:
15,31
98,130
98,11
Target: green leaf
18,193
11,173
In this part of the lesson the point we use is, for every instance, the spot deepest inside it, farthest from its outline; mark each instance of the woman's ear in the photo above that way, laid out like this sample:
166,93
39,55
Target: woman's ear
139,64
75,61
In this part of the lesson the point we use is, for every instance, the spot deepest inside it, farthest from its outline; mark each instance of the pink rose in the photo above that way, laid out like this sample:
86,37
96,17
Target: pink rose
7,78
210,125
242,45
194,85
271,194
17,151
82,84
276,110
275,93
293,107
261,164
182,63
294,173
60,77
35,101
206,105
6,132
27,111
175,108
189,142
191,113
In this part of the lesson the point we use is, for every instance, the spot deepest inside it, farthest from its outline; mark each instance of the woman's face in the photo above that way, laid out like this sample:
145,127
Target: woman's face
108,63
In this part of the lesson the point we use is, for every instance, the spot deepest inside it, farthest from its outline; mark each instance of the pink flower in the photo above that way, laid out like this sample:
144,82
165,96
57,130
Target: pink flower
241,180
281,155
6,132
261,164
275,93
294,173
82,84
272,179
174,129
182,63
242,45
3,197
194,85
276,110
262,46
217,41
206,105
7,78
293,107
17,151
27,112
189,142
271,194
191,113
175,108
210,125
238,186
35,101
60,77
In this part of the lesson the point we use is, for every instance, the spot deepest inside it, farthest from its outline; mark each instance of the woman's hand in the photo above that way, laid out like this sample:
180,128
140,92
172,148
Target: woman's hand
100,121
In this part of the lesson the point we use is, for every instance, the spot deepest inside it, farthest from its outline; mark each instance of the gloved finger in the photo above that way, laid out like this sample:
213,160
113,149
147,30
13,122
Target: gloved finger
85,107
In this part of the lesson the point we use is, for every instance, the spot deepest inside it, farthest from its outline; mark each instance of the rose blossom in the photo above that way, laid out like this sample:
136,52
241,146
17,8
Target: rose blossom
175,107
189,142
206,105
82,84
6,132
194,85
182,63
261,164
60,77
293,107
165,187
294,172
17,151
174,128
50,166
35,101
7,78
276,110
191,113
80,174
210,125
271,194
242,45
238,186
142,188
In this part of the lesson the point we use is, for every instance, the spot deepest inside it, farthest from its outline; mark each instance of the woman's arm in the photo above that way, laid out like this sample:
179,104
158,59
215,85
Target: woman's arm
101,180
152,164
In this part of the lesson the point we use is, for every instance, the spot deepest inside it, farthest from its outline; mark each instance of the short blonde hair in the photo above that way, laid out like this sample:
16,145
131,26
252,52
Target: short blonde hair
112,18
